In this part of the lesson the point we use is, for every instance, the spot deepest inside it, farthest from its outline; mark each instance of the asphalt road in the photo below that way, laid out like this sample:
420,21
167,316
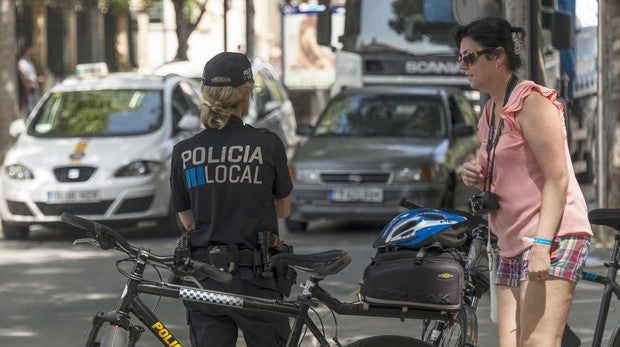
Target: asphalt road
49,289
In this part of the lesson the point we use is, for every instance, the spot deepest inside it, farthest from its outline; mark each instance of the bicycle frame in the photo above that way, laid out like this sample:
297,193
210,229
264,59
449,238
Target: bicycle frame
610,287
130,303
318,265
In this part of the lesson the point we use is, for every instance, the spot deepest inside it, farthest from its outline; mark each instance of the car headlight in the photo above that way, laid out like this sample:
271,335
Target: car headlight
138,168
305,176
424,174
19,172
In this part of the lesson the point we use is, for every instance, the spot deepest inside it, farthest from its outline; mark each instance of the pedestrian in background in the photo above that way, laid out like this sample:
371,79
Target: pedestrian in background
541,222
230,183
29,78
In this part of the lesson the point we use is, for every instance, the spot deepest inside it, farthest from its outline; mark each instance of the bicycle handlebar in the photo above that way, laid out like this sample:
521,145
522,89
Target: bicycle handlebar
108,238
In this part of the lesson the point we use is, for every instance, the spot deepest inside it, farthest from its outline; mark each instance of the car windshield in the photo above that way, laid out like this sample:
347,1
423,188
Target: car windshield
99,113
399,115
413,27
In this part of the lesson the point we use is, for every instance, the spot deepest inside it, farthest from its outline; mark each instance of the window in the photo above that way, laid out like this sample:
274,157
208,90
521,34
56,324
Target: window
462,111
99,113
184,101
384,115
155,11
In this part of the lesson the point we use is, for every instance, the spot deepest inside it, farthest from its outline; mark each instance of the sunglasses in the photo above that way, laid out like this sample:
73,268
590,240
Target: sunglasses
470,58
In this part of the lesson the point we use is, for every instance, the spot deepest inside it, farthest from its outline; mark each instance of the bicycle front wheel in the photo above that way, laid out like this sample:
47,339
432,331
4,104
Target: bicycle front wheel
389,341
460,331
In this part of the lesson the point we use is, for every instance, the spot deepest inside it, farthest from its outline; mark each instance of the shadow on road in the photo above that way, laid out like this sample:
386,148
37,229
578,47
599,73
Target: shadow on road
69,233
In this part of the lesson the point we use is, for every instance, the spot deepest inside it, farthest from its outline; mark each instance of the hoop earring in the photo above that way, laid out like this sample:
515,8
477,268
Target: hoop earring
497,67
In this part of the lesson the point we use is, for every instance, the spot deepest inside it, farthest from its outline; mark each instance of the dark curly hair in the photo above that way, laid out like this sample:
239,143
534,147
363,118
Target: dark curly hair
494,32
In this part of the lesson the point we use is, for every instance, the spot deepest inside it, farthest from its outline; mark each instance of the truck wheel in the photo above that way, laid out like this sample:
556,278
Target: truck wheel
294,226
15,231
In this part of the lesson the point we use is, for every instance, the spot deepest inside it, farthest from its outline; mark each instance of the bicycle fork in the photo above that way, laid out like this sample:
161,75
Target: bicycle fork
119,328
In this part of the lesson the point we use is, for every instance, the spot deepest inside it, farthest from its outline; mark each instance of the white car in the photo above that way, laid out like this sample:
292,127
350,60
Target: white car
98,147
270,106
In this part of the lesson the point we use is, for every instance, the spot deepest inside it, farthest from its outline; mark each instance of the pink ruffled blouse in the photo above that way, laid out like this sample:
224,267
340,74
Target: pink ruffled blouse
518,180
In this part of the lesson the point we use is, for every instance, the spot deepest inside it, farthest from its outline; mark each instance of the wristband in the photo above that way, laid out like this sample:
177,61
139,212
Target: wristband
540,240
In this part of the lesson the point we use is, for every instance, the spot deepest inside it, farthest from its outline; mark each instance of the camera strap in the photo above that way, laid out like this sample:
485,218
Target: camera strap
493,138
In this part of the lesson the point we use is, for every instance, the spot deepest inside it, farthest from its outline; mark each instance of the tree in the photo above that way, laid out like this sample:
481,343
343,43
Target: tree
120,9
188,14
8,68
608,186
611,96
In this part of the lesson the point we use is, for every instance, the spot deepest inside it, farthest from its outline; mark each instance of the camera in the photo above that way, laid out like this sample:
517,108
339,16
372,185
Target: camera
483,203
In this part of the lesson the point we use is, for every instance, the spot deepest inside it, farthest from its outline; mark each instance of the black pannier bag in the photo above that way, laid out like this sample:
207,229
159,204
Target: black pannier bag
419,262
427,279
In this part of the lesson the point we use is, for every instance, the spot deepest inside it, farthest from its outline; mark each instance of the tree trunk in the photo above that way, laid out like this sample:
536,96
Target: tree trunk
608,183
8,74
182,30
249,28
185,26
121,42
611,84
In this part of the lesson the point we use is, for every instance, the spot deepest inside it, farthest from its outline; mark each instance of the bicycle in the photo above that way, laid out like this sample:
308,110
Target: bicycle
440,328
610,218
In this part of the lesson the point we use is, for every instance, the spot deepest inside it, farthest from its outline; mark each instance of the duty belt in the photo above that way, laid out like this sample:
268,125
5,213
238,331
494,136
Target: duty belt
230,257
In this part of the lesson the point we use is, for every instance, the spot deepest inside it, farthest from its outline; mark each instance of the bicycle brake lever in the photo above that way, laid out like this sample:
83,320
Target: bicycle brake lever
88,240
193,280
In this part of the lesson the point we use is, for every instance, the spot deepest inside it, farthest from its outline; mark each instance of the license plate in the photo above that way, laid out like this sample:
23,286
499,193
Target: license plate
72,197
357,194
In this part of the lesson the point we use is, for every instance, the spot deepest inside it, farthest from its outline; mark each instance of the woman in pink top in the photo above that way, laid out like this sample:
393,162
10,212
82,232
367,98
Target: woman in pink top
541,222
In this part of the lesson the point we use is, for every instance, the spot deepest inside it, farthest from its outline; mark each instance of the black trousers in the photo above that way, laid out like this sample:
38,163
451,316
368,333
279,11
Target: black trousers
219,326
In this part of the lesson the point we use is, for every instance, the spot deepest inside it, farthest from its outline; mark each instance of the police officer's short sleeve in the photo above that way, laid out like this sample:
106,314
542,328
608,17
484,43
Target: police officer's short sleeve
180,199
282,185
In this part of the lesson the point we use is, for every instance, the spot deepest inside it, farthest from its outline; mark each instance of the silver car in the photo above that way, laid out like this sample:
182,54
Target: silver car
97,145
373,146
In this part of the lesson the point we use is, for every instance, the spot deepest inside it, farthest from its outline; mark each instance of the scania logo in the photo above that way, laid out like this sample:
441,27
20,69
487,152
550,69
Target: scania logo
355,178
415,67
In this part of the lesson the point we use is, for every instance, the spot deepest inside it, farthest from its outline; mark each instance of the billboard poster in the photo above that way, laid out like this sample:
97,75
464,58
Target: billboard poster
306,64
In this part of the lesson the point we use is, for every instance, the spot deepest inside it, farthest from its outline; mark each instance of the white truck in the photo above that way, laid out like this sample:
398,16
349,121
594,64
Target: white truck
409,42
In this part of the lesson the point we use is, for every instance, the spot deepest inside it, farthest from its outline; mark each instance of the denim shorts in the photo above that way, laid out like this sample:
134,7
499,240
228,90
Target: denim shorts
568,257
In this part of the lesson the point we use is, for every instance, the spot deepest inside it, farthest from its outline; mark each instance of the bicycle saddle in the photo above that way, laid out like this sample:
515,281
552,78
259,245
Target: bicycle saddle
322,264
605,216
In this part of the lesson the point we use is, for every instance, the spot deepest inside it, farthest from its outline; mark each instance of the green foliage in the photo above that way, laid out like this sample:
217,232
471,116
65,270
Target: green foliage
116,4
192,10
22,3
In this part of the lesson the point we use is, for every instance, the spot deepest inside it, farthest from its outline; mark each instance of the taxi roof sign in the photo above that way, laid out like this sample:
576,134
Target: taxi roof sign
91,70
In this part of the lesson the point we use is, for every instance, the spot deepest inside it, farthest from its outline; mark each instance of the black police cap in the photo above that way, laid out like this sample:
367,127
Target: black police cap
227,69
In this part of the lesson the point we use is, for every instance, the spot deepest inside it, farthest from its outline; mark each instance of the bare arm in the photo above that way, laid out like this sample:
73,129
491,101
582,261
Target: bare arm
283,207
187,219
541,125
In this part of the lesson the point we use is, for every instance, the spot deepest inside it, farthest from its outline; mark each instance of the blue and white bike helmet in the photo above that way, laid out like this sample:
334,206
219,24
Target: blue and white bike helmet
415,228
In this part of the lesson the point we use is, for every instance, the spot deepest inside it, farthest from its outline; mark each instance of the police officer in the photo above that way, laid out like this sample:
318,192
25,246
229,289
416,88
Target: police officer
229,183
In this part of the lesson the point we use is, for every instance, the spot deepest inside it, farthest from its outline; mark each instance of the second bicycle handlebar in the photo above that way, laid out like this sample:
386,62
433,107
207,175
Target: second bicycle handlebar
108,238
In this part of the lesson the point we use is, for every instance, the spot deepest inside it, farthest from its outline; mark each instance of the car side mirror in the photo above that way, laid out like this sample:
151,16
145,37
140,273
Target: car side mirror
188,122
462,130
17,127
